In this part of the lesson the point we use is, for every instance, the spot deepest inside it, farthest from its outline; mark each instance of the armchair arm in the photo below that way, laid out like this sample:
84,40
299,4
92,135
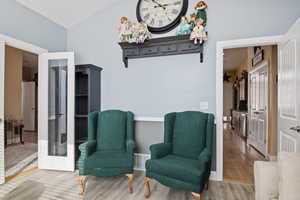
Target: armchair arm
160,150
205,163
205,158
130,145
87,148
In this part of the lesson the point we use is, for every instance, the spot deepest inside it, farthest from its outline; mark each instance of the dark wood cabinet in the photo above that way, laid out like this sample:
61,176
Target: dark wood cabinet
87,99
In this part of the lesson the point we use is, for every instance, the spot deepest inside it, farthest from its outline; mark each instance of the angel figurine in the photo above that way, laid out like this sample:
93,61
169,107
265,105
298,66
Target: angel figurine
125,30
141,32
184,27
198,32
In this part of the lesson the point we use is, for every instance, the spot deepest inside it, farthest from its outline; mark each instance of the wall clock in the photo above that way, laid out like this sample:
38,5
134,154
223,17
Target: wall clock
161,15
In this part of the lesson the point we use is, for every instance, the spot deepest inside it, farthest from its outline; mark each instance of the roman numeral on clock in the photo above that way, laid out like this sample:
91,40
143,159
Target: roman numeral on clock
175,12
146,17
160,23
152,21
177,3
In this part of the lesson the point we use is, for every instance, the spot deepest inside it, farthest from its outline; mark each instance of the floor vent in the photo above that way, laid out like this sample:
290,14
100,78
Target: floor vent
287,143
140,161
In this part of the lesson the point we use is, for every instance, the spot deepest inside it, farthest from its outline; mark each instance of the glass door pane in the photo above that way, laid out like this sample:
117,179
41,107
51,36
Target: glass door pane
57,107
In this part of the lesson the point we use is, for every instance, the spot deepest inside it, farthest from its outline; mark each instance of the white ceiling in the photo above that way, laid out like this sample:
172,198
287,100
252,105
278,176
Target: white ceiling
234,58
66,12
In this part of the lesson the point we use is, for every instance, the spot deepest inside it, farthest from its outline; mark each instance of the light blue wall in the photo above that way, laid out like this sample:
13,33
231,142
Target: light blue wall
23,24
154,86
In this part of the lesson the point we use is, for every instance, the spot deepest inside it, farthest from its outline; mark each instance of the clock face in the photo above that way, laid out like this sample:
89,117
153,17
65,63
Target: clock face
161,15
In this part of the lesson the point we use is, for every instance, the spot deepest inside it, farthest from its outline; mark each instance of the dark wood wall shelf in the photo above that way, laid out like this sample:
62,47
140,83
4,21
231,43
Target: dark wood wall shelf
165,46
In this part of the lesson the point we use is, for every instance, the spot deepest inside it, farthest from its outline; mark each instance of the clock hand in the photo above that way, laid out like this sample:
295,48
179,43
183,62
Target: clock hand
164,5
159,5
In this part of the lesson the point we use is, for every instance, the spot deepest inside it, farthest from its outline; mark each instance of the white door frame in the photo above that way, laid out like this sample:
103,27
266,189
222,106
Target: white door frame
10,41
221,45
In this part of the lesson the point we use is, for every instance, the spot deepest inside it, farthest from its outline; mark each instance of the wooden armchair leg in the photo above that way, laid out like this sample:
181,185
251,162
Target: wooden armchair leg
196,196
82,182
207,185
147,191
130,180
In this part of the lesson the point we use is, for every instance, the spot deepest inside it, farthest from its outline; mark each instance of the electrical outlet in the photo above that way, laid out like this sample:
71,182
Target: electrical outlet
204,105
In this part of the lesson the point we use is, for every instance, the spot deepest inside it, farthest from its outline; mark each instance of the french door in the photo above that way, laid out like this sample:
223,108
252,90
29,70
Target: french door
2,74
258,107
56,111
289,90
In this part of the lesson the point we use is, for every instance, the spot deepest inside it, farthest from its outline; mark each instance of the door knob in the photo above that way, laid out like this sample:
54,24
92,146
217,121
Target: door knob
295,128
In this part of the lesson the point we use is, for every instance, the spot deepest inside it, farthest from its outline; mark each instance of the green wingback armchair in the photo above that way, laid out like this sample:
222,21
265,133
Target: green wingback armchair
183,161
110,146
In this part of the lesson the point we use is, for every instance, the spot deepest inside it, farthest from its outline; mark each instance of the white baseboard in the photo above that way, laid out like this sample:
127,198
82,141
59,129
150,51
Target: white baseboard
140,161
213,176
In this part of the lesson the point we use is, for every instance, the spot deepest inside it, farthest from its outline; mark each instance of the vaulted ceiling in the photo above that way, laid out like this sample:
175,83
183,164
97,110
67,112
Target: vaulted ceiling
66,12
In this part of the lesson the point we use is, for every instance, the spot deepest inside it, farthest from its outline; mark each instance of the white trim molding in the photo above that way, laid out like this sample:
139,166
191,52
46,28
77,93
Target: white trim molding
22,45
140,161
149,119
221,45
249,42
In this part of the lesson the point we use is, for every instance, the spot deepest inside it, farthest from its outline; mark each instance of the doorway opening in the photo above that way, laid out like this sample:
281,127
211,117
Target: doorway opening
20,111
249,110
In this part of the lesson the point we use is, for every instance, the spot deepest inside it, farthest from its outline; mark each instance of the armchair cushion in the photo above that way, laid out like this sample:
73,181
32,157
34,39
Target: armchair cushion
179,168
189,134
111,131
108,159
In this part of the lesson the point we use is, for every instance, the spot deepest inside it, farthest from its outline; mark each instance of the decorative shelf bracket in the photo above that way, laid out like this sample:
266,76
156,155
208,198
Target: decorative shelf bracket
165,46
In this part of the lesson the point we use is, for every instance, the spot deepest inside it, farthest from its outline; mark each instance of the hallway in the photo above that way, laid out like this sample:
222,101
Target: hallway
238,158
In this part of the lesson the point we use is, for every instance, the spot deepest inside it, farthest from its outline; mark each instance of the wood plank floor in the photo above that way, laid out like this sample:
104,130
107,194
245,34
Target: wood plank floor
238,158
43,184
20,157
